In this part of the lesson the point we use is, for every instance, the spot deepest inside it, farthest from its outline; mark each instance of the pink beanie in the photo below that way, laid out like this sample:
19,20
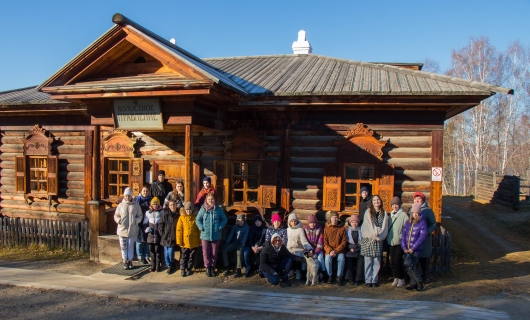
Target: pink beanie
416,208
355,217
276,217
311,218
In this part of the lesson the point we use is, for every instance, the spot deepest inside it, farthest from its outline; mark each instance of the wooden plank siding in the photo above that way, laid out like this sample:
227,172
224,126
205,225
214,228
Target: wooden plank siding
409,151
70,202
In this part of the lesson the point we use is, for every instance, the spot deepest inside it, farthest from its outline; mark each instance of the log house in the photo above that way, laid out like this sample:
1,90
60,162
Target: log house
290,133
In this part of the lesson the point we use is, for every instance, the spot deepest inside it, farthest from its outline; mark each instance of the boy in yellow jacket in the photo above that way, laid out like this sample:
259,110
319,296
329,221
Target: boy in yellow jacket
188,238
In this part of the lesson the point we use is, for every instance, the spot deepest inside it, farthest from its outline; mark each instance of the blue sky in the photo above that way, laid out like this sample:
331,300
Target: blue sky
38,37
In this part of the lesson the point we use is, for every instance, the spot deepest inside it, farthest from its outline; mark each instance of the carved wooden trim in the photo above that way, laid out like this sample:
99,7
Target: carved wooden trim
37,142
246,145
118,143
360,146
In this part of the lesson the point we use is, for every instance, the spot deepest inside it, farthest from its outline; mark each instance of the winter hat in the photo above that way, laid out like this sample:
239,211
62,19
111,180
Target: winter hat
355,217
127,192
364,189
188,206
207,179
333,214
276,217
155,201
275,235
161,172
258,218
241,216
416,208
419,194
395,200
292,216
311,218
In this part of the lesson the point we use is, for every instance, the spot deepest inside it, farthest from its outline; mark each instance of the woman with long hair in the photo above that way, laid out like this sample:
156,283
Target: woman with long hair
176,194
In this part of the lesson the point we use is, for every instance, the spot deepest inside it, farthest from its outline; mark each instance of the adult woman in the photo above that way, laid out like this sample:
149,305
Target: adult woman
374,231
128,215
142,247
427,215
397,219
177,194
210,220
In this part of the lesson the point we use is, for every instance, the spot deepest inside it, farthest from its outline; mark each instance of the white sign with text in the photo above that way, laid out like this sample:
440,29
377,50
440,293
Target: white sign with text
138,114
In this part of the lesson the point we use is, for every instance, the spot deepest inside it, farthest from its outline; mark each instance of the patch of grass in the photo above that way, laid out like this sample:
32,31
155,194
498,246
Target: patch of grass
36,252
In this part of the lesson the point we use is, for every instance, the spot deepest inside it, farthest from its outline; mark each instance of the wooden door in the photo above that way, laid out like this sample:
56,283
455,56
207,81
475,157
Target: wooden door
175,170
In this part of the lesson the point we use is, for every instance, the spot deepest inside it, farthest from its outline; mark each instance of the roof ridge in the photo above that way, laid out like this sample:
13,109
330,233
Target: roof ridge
19,89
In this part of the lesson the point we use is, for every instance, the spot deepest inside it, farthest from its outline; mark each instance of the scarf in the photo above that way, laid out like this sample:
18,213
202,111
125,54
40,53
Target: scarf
350,239
207,207
371,231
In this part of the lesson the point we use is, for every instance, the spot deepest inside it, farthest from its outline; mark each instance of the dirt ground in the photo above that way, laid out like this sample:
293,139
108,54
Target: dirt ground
490,265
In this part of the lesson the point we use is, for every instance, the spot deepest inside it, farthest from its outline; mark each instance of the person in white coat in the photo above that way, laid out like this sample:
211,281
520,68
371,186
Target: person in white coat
128,215
297,243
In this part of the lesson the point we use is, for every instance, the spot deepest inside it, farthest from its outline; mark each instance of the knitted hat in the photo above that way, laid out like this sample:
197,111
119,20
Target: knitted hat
276,217
416,208
207,179
155,201
258,218
127,192
292,216
241,216
364,189
355,217
188,206
333,214
311,218
275,235
419,194
395,200
161,172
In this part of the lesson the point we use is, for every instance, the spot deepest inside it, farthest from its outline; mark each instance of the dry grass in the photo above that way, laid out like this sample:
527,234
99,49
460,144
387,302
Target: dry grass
38,253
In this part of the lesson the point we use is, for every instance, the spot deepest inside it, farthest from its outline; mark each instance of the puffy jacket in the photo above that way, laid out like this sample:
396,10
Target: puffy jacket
239,235
211,223
188,235
167,226
270,258
151,221
256,236
414,235
395,227
315,237
296,240
281,231
335,238
128,215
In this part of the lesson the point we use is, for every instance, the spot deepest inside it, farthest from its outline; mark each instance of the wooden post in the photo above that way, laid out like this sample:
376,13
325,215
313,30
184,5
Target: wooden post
96,169
188,162
285,202
437,161
97,215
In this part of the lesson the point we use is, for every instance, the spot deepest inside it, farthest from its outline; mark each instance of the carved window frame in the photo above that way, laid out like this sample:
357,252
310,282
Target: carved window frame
359,183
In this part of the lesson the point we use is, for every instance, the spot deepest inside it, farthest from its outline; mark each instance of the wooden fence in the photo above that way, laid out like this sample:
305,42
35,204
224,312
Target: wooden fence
497,188
441,252
54,234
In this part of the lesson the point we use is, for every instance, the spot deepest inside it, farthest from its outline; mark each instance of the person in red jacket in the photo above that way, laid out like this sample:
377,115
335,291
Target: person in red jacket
207,188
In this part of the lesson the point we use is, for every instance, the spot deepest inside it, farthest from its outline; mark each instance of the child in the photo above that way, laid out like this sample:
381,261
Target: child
353,253
255,241
207,189
297,243
397,220
235,241
276,227
314,234
152,217
412,238
188,238
142,248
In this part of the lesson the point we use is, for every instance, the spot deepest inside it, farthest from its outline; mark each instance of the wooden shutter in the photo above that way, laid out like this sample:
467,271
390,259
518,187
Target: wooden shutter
20,174
332,186
221,182
53,175
104,178
267,184
384,185
137,175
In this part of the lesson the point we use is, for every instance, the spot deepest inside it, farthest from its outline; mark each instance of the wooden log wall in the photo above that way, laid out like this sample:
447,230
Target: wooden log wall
497,188
409,151
69,204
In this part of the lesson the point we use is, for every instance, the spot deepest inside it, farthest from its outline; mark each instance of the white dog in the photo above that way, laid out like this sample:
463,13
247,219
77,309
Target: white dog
312,269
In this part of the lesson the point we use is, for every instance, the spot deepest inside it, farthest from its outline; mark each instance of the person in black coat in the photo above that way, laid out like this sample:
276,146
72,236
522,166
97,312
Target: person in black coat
276,261
160,188
256,237
364,203
167,228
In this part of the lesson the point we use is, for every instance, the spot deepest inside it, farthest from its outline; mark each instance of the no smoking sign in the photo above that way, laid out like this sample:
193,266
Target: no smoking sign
436,174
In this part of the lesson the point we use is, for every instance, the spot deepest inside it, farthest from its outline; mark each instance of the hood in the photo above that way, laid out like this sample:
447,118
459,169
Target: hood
274,236
292,217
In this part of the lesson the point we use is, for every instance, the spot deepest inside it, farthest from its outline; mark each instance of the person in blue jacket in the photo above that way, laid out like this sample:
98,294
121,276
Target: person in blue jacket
235,242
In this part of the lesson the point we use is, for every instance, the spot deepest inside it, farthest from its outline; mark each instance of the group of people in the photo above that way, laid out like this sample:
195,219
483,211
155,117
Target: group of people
276,252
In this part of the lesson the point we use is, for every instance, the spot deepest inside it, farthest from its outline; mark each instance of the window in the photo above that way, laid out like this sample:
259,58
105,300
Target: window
245,182
356,176
38,174
118,176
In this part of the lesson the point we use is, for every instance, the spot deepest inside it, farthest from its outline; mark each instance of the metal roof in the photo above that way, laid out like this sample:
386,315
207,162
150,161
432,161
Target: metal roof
310,74
25,96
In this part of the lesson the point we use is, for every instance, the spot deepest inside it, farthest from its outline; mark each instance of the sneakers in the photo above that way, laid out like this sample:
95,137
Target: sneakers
395,283
125,265
401,283
237,274
286,282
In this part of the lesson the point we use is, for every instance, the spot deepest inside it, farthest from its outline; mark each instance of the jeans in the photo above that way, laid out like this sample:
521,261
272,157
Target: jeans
340,264
231,247
285,266
169,255
320,258
127,248
142,250
209,252
371,269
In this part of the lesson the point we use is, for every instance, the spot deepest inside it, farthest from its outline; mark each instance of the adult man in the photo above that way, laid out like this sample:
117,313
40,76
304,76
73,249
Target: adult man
160,187
276,261
364,203
428,216
335,241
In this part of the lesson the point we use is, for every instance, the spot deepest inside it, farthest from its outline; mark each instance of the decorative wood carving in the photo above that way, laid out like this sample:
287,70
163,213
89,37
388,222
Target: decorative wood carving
360,146
118,143
268,181
246,145
37,142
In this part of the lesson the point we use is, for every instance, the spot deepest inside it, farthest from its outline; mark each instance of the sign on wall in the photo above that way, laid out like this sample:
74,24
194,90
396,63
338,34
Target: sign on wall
436,174
138,114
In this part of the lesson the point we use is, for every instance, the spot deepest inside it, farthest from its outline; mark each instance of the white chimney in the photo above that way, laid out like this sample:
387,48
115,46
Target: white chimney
173,41
302,46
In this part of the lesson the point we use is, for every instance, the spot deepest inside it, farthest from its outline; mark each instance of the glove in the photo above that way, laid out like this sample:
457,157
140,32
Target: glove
148,230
